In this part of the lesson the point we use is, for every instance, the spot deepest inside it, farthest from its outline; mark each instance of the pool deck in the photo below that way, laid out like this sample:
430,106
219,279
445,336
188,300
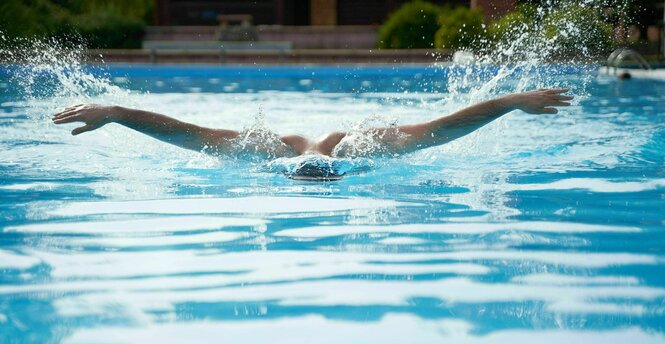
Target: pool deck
654,74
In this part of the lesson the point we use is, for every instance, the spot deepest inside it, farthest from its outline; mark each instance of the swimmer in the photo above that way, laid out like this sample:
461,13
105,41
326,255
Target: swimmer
393,140
624,75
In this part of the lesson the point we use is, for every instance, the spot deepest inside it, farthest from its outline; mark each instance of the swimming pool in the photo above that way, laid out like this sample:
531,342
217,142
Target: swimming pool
535,229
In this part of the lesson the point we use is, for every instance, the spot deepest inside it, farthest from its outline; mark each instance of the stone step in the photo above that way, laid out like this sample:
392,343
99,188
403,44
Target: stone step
216,45
301,37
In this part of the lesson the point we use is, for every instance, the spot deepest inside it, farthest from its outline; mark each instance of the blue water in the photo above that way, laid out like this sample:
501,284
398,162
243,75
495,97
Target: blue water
546,228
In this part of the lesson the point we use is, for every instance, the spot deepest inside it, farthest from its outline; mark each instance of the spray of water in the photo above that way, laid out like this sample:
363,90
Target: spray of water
369,138
532,48
538,47
258,142
527,48
53,74
43,77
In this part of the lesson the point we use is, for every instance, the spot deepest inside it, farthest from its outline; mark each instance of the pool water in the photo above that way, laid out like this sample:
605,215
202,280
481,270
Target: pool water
537,228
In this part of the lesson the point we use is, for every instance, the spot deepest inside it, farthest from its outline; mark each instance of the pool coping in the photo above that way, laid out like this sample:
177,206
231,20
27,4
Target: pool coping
652,74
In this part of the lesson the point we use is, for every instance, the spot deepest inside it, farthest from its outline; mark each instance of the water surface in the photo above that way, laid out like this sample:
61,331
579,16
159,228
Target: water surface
534,229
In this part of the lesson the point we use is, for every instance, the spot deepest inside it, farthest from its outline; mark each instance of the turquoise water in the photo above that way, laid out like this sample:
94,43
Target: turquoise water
545,228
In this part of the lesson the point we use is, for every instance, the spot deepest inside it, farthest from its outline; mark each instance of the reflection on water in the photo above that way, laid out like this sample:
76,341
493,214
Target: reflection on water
536,229
191,268
393,328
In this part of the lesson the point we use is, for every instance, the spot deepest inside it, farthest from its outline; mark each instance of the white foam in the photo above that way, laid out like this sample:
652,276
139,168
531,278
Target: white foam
238,277
558,279
241,205
582,307
162,224
391,328
402,241
331,293
11,260
300,264
30,186
204,238
258,265
594,185
456,228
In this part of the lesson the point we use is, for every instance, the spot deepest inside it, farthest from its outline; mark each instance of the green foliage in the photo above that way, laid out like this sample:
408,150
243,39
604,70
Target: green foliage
578,29
514,24
460,28
420,24
413,25
135,9
109,29
101,23
29,18
569,29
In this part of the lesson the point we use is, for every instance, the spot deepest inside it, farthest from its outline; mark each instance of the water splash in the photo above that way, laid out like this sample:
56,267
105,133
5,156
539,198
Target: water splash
53,73
258,142
523,50
373,136
554,39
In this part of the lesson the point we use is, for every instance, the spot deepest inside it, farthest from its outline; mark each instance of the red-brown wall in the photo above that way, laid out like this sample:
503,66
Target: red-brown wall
494,8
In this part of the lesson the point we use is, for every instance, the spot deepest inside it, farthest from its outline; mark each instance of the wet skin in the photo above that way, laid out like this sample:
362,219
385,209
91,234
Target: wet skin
395,140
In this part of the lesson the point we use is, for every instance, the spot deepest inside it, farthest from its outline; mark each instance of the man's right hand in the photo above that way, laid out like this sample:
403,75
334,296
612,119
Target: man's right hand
94,116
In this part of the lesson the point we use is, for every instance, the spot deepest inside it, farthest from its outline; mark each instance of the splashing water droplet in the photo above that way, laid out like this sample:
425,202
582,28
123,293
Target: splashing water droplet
56,71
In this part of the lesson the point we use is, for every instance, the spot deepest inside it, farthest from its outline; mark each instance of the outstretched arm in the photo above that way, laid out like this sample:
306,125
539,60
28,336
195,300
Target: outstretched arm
161,127
409,138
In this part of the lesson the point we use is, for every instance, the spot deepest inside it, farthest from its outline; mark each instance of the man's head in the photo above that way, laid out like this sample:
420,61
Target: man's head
315,170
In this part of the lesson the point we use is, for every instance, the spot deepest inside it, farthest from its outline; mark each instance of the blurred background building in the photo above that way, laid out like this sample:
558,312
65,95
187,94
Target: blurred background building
301,12
328,30
306,24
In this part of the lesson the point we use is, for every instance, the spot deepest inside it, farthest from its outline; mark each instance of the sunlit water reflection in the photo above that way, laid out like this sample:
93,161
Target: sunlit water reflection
534,229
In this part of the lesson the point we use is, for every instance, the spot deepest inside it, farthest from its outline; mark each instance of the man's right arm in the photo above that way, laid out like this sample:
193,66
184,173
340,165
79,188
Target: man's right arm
158,126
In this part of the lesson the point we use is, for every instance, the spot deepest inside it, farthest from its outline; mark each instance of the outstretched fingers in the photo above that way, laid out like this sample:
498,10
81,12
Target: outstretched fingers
91,115
544,100
68,110
559,103
557,90
67,119
557,98
561,97
64,114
